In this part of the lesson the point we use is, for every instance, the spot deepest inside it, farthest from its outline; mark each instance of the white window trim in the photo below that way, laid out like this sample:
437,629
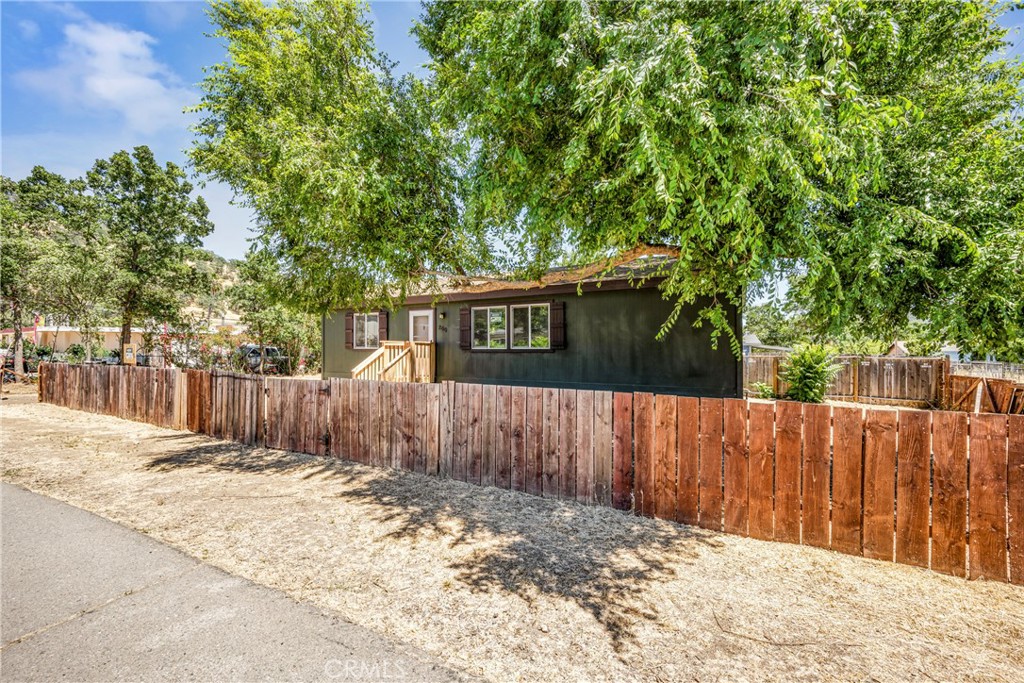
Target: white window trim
366,318
472,328
529,327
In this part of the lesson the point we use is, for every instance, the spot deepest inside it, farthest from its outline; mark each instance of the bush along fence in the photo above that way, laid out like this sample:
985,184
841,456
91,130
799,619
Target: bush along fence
912,382
943,490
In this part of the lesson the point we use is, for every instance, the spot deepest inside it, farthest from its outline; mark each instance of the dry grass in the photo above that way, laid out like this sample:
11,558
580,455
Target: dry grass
508,586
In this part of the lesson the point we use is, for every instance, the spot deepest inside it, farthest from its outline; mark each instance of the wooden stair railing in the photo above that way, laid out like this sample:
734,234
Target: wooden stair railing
400,369
398,361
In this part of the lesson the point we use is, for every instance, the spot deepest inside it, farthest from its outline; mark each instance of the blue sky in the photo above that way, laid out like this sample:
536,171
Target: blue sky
83,80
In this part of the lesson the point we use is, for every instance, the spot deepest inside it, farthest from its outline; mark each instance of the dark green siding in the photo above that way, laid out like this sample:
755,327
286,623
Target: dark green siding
611,344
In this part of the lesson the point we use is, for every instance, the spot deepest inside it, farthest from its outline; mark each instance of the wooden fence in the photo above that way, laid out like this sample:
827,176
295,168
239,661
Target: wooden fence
917,382
153,395
985,395
995,370
943,490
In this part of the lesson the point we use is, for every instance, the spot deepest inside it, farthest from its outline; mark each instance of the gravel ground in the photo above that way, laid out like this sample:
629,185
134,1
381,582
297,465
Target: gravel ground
512,587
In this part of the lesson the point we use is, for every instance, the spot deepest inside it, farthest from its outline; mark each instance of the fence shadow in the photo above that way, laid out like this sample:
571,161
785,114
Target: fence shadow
598,558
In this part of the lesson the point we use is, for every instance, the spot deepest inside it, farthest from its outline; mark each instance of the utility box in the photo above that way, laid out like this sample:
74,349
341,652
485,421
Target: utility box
128,352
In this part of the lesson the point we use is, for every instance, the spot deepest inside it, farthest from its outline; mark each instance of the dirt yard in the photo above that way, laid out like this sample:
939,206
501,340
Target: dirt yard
512,587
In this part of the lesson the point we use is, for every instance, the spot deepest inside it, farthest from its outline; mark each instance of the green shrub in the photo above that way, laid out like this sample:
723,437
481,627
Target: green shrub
41,352
808,371
76,353
762,390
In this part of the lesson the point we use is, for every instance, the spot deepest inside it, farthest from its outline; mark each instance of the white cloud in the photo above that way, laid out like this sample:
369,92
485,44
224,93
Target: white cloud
29,29
104,67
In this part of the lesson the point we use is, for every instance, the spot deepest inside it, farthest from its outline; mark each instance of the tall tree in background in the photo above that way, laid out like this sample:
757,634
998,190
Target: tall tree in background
54,256
869,151
17,252
354,182
257,296
71,264
154,225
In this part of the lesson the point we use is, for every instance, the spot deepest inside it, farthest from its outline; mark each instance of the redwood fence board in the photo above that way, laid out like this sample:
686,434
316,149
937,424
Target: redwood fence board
534,429
761,471
446,439
913,473
1015,491
847,479
735,470
943,490
643,453
622,451
949,497
987,491
502,437
665,450
788,439
487,424
475,397
518,439
815,480
549,479
585,446
567,444
879,483
688,459
710,479
603,444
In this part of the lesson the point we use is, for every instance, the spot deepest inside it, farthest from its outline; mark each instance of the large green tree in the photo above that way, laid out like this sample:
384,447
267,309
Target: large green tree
871,152
353,181
71,264
54,255
153,225
17,253
257,295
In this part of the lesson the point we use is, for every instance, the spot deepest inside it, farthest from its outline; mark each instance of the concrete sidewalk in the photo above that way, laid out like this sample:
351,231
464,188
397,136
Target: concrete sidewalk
87,600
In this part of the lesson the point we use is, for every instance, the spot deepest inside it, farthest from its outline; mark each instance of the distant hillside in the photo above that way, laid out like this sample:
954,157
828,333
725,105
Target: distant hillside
214,306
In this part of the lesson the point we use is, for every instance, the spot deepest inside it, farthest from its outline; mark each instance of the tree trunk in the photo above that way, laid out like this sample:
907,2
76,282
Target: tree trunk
19,343
126,336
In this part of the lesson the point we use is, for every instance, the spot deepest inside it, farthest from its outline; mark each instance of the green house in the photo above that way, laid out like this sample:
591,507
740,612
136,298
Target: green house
574,328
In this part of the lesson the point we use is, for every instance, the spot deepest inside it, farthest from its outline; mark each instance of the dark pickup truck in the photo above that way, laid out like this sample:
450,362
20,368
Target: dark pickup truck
274,362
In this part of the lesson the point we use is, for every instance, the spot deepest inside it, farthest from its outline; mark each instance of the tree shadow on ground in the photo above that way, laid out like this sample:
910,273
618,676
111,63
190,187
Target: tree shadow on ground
523,545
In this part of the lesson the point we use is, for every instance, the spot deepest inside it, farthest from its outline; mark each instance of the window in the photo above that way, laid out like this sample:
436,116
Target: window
516,327
490,327
531,326
366,331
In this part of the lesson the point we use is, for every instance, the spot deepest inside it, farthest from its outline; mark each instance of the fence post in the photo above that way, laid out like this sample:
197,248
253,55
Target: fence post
945,386
855,369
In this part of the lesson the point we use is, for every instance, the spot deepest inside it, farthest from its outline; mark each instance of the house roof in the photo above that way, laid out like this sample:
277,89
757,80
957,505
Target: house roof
751,341
638,267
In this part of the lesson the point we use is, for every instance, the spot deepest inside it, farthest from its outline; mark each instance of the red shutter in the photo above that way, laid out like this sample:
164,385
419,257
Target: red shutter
382,323
465,329
558,325
349,330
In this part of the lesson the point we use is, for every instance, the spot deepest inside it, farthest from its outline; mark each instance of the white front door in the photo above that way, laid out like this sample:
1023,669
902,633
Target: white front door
421,325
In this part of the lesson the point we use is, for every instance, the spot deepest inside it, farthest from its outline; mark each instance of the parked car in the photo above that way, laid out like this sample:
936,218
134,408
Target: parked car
273,363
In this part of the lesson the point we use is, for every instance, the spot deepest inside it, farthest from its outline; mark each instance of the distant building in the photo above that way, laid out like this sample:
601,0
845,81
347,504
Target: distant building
751,344
898,349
